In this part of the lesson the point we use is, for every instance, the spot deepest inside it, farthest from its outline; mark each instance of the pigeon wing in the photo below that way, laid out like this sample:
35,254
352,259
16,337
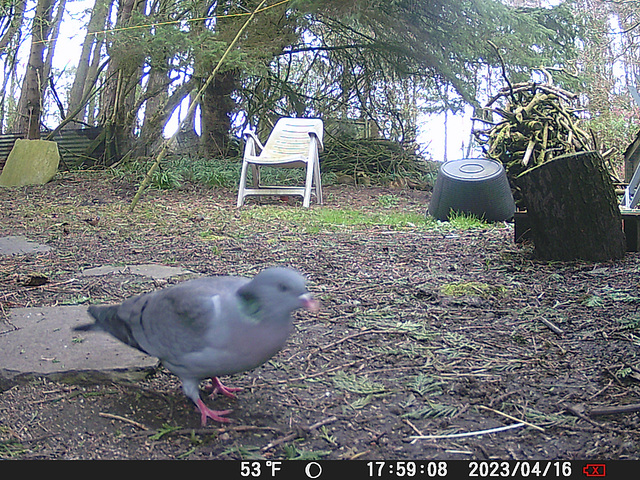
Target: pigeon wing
183,319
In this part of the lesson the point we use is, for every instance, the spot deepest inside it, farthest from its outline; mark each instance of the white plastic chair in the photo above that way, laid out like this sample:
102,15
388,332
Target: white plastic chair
293,143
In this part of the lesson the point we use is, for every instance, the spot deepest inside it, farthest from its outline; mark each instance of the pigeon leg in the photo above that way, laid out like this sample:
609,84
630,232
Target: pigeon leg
218,387
215,415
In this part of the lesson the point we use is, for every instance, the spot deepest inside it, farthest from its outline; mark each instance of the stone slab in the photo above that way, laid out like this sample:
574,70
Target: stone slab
151,270
30,162
18,245
40,341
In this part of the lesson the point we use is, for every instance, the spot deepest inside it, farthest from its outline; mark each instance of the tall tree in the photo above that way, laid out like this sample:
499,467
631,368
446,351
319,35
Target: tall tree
11,18
90,52
30,103
117,112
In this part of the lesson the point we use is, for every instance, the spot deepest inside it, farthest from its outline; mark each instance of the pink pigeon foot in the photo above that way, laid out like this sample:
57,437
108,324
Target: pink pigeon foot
218,387
215,415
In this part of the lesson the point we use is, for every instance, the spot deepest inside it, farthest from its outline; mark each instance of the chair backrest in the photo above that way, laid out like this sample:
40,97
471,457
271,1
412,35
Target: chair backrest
290,136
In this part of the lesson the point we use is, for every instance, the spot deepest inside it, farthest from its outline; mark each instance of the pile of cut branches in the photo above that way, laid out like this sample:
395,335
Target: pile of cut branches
537,124
376,161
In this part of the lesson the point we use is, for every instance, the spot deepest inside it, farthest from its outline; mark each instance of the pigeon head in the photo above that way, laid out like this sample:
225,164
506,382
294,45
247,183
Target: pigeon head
276,290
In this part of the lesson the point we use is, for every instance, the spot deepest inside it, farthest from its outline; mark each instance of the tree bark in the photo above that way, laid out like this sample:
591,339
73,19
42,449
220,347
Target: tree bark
118,96
14,18
90,45
216,107
30,103
572,209
56,24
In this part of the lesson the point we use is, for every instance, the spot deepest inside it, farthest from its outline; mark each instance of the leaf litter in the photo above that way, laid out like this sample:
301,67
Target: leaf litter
425,330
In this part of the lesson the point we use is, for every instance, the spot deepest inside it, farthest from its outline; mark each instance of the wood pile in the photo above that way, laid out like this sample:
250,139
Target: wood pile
556,171
537,124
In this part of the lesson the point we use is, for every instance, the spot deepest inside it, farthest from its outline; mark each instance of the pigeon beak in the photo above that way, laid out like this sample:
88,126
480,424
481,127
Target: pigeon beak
309,302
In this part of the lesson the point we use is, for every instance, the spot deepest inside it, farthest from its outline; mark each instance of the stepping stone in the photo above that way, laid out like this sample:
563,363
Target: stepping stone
18,245
40,341
154,271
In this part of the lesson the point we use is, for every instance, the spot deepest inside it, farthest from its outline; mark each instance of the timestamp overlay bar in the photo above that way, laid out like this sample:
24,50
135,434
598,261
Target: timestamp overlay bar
425,469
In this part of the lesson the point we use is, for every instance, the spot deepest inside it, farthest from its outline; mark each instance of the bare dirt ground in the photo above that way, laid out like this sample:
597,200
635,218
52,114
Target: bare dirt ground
421,332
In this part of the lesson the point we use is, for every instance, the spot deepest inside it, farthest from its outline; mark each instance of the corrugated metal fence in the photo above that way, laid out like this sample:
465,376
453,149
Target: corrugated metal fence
78,147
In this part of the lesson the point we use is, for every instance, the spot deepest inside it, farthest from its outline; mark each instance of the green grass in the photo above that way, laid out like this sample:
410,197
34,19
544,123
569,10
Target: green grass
467,221
326,218
174,172
473,289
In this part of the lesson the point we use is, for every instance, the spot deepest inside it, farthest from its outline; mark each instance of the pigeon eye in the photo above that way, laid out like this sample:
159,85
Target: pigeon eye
283,287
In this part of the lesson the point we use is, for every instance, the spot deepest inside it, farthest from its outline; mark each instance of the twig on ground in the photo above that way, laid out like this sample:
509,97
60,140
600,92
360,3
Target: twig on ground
576,410
512,418
467,434
415,429
294,435
554,328
123,419
634,407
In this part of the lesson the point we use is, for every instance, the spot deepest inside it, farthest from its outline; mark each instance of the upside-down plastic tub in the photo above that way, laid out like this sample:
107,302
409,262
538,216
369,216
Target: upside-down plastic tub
472,185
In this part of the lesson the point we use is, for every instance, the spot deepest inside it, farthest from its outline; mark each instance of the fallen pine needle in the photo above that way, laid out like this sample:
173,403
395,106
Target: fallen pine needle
466,434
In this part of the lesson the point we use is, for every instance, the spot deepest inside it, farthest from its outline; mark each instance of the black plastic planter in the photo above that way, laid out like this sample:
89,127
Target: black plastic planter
472,185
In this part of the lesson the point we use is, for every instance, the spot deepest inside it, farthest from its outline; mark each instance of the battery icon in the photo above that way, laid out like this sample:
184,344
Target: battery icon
594,470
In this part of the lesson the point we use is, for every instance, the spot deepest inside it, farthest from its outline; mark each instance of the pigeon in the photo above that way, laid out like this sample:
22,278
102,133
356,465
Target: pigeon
210,326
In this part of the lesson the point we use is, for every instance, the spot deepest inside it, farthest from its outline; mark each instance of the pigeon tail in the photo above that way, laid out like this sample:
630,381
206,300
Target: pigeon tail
107,319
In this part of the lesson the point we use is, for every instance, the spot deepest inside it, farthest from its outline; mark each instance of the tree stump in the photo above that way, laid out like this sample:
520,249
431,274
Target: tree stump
572,209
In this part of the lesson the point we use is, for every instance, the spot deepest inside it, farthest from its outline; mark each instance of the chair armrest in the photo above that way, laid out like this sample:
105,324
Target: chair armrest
318,139
251,136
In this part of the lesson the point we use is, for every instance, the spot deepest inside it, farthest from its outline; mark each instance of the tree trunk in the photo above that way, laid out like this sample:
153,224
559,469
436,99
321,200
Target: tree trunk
572,209
157,114
30,103
118,97
16,15
55,26
90,45
216,107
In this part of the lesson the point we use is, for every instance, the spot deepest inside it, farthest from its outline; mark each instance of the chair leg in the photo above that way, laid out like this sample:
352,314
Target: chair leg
243,181
255,172
308,185
316,169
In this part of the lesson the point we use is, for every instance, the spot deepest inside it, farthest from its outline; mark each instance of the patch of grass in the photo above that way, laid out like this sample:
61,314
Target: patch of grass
11,449
165,430
294,453
388,200
623,372
173,172
473,289
467,221
592,301
315,219
247,452
620,296
544,419
326,435
632,323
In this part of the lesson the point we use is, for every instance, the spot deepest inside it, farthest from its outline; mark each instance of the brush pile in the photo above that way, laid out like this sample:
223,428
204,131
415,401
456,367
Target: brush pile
537,124
376,161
